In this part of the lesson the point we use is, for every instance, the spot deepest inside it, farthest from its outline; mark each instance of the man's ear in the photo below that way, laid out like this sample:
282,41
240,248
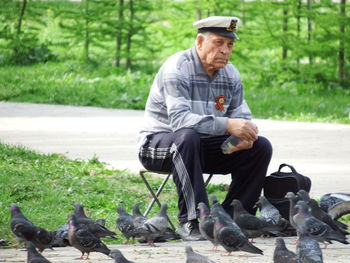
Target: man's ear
200,40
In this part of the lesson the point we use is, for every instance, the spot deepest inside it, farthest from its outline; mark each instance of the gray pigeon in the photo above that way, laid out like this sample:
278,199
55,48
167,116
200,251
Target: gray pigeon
315,228
303,195
119,257
95,227
138,217
292,210
61,237
33,256
206,224
252,226
193,257
282,254
25,230
308,249
317,212
83,240
331,199
228,234
154,227
125,224
268,212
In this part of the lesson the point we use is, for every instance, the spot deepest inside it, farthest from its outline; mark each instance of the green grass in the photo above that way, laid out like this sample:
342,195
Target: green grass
100,84
45,186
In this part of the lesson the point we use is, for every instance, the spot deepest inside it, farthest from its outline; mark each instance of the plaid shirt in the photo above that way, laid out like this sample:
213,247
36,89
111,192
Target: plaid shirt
183,95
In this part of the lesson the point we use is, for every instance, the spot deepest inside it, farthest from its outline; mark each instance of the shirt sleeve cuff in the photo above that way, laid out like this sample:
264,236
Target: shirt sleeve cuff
220,125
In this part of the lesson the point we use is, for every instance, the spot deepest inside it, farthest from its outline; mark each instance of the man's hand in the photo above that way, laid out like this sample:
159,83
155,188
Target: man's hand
243,145
243,129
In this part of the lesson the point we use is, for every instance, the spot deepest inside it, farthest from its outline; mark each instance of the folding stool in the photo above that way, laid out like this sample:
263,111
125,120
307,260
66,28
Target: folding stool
160,189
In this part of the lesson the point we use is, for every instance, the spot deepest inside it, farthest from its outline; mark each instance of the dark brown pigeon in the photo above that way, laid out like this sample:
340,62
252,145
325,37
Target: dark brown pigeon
83,240
25,230
315,228
119,257
33,256
282,254
206,224
228,234
94,226
193,257
251,225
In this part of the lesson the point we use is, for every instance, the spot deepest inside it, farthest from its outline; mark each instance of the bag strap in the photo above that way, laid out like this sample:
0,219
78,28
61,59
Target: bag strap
287,165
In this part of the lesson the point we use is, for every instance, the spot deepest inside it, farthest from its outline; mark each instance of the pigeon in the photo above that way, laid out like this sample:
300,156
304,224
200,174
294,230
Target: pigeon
125,224
193,257
292,210
138,218
282,254
317,212
33,256
95,227
228,234
25,230
83,240
314,227
268,212
206,224
61,237
303,195
154,227
119,257
308,250
331,199
251,225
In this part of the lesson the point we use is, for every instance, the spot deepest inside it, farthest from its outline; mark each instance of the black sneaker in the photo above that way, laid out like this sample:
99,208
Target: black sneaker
189,231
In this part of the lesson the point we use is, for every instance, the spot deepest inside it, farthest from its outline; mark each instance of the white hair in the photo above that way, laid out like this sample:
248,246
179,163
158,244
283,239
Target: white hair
206,35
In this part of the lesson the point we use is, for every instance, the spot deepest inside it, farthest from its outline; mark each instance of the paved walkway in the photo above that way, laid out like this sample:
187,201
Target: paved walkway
320,151
174,252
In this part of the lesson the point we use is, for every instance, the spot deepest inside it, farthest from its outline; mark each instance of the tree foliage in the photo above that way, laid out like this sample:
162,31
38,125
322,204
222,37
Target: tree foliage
291,40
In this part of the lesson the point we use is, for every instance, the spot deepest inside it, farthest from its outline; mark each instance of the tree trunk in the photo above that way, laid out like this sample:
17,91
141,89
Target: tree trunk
119,34
285,32
341,53
87,32
130,33
309,28
298,16
20,18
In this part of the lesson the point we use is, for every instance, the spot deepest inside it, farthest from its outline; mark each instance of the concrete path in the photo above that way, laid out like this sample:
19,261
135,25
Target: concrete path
318,150
174,252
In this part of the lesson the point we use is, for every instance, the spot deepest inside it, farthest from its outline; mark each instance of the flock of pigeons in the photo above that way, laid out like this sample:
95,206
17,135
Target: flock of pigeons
313,223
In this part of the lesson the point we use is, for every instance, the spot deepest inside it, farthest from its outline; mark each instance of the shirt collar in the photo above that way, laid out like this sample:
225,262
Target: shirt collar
199,69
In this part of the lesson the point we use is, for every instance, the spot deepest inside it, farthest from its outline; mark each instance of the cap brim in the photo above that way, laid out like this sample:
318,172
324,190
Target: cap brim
219,31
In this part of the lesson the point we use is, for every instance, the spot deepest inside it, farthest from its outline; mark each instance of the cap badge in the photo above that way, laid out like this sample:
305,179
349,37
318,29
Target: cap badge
220,103
233,26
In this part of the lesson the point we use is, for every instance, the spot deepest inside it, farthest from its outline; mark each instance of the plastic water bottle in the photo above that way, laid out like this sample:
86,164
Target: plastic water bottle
228,145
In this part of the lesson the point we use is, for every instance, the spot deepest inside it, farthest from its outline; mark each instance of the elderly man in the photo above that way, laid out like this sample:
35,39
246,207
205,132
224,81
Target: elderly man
195,103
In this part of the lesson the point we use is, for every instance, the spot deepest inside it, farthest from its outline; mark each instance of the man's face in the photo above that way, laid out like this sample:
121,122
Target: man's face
215,51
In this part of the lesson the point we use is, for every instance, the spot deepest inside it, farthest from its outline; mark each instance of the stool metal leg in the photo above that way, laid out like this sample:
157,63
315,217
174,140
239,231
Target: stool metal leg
208,179
155,195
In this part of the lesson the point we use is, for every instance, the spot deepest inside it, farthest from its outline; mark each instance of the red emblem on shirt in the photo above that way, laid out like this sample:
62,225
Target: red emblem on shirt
220,103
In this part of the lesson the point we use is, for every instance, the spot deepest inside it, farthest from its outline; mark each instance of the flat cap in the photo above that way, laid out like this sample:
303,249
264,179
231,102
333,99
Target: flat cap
221,25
